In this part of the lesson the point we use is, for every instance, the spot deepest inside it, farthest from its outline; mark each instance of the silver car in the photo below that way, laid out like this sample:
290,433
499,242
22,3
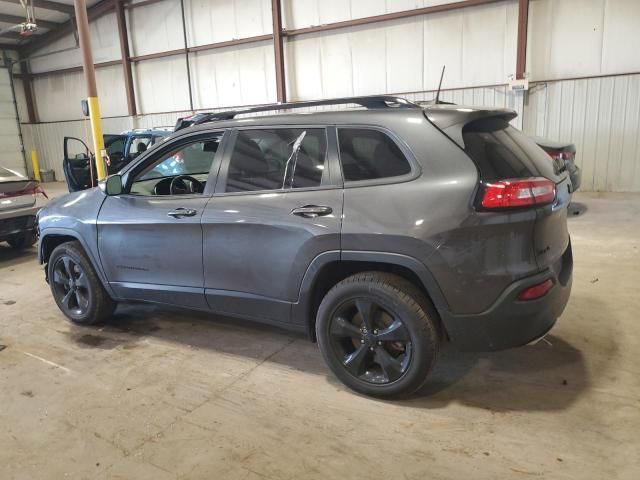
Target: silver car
20,200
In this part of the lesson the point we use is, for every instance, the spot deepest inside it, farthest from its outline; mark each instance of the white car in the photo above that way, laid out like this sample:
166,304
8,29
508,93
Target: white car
20,200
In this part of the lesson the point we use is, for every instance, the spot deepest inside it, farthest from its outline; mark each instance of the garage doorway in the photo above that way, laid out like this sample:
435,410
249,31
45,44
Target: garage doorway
11,147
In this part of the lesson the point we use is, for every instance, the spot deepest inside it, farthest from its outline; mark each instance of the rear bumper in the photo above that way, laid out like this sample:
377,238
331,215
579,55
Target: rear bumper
510,322
576,176
18,221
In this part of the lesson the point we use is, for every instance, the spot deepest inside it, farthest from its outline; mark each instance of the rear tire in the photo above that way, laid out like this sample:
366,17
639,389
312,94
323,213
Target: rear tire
76,287
387,351
22,241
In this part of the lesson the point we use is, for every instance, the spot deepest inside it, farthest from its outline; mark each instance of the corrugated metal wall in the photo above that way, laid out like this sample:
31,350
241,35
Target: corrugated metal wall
401,55
47,138
10,146
602,117
405,56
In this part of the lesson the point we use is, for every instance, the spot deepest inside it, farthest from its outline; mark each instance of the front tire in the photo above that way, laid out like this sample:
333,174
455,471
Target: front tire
76,287
378,334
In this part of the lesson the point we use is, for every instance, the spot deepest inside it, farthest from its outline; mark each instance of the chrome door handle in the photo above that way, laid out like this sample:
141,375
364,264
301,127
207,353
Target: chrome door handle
312,211
182,212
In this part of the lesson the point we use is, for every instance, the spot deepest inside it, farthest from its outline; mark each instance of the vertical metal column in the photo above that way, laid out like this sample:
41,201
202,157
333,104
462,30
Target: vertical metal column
27,85
84,38
8,64
186,54
523,24
124,53
276,16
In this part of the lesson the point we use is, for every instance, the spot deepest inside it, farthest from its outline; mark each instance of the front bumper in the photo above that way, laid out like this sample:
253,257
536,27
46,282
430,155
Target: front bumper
510,322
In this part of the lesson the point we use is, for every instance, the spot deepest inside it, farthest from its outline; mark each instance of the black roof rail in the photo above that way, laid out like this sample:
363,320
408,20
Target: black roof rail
370,102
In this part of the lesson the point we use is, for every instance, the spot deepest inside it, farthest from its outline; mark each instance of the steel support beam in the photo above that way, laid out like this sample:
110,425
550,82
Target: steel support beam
48,5
124,54
201,48
62,71
186,53
388,16
93,13
27,85
14,36
143,4
84,37
523,24
278,50
16,19
105,6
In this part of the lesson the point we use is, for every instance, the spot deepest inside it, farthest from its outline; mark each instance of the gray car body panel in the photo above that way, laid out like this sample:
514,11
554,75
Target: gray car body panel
245,255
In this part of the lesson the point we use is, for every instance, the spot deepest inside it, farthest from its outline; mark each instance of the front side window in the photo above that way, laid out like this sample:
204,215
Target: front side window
370,155
183,170
273,159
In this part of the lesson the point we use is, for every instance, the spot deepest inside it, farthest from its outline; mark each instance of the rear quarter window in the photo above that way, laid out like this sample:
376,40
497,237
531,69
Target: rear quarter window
368,154
501,151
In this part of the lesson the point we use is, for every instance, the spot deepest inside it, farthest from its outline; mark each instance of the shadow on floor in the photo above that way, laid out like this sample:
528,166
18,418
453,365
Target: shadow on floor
550,375
11,257
577,209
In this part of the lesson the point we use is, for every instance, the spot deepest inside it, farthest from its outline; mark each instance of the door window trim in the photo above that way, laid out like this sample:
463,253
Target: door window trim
331,179
166,147
415,172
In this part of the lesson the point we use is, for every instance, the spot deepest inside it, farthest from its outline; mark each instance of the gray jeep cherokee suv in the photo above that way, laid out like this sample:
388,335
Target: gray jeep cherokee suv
380,231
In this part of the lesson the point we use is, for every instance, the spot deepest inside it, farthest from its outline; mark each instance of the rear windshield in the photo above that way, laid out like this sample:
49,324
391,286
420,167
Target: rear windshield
501,151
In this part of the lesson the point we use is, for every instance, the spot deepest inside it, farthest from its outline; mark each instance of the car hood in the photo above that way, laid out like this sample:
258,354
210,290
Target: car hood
68,210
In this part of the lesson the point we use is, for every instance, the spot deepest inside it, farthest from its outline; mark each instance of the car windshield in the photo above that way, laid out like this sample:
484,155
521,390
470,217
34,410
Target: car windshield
193,160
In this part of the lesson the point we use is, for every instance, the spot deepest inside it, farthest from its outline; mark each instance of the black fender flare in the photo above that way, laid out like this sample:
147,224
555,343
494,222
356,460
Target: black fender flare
300,309
67,232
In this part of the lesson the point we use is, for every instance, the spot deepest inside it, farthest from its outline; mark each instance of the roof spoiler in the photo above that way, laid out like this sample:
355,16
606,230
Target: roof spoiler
451,120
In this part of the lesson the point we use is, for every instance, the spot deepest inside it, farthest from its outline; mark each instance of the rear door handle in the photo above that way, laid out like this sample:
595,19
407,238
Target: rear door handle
312,211
182,212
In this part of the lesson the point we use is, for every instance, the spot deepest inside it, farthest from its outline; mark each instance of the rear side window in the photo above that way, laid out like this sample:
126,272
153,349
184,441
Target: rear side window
273,159
501,151
369,155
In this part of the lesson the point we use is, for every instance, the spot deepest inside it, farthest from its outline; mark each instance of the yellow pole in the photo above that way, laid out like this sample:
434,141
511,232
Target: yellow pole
98,139
84,39
36,165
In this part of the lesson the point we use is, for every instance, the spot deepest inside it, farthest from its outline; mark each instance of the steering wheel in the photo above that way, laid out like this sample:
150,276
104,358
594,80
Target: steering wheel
185,184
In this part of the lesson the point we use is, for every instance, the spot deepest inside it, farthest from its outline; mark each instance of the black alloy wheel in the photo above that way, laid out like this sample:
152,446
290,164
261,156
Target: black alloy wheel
378,333
370,341
71,285
76,287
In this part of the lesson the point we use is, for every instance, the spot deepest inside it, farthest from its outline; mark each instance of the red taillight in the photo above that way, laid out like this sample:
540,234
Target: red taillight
536,291
518,193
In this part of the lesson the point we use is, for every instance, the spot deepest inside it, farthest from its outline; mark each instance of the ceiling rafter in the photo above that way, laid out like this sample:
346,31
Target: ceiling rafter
67,28
48,5
15,19
15,36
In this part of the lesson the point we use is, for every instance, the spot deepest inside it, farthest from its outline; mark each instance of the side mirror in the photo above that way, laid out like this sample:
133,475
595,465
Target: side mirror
113,185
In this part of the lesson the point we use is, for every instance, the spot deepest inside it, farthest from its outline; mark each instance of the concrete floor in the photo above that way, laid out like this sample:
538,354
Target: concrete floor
161,393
